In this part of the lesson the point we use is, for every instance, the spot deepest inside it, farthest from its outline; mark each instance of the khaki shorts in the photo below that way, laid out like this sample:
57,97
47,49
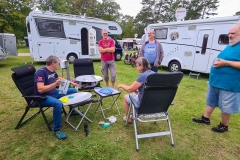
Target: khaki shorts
112,67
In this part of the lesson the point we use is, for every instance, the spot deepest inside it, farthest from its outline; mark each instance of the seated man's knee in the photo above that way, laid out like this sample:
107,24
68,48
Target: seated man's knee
57,104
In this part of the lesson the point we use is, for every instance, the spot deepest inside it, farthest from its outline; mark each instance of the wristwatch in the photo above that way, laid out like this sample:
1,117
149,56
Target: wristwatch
227,63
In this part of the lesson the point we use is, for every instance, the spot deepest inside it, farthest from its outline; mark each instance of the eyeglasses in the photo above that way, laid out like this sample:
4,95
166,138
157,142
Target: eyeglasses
150,33
105,33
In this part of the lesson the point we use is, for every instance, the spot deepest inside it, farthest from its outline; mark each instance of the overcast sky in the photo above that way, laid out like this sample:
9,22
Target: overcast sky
226,7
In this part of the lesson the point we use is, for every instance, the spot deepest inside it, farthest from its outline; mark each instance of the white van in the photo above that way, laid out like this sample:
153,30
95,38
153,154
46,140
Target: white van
193,44
67,36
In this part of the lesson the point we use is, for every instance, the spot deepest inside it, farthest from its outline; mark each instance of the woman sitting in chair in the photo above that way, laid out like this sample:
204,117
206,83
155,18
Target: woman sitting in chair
144,69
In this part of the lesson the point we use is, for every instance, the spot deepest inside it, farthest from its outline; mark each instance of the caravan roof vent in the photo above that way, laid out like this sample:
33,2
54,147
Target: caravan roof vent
192,27
72,22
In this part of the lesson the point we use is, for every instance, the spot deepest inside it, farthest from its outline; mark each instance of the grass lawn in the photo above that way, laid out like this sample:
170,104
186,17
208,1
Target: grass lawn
23,49
192,141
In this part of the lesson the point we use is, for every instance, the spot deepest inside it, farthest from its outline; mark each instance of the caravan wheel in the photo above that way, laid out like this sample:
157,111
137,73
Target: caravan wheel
174,66
71,57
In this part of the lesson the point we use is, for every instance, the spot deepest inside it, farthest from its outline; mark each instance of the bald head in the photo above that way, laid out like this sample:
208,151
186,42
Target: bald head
234,35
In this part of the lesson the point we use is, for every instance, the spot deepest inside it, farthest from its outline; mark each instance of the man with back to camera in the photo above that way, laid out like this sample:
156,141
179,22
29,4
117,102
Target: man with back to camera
106,47
224,86
152,50
45,82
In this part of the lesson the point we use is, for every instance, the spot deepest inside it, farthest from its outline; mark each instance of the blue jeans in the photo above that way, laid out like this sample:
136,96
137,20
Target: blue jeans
153,68
53,101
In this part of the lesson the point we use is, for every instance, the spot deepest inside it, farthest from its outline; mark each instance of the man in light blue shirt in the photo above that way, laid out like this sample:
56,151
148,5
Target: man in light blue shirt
152,50
224,83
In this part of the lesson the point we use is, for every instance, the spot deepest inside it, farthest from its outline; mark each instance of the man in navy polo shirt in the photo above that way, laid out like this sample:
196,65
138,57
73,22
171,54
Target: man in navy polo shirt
46,80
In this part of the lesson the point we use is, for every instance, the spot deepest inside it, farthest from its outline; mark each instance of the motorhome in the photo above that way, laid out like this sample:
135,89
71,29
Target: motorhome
67,36
193,44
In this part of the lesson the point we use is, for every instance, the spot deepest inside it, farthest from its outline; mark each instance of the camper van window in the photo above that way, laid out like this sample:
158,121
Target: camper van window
204,44
112,27
28,27
161,33
50,28
223,39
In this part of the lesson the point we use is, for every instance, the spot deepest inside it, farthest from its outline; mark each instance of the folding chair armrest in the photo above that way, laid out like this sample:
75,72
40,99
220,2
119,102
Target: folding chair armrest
35,97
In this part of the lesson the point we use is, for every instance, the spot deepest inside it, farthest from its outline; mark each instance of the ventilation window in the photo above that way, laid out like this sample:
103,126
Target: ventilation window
161,33
223,39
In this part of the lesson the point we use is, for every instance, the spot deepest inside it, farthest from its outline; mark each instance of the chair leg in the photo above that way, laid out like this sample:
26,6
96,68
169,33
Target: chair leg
170,129
135,128
45,119
20,123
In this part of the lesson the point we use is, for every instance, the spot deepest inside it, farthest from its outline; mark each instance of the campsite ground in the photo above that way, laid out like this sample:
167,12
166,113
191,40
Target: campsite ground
192,141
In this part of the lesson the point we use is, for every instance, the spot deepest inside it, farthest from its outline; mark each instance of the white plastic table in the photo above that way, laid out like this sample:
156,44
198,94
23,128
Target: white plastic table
88,79
75,100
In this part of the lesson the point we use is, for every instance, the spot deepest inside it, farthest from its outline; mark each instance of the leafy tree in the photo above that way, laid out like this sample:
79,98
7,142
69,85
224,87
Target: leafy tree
127,26
59,6
109,11
12,16
144,18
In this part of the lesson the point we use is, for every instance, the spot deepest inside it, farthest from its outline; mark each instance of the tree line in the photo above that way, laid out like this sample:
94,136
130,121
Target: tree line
14,12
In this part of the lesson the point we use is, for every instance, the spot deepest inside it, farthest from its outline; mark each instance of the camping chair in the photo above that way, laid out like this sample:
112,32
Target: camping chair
23,77
159,92
84,67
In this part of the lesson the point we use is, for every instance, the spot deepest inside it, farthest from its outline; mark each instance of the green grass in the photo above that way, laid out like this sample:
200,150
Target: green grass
23,49
192,141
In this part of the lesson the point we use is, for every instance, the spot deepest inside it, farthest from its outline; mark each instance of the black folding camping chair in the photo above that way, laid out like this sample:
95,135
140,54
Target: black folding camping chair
159,92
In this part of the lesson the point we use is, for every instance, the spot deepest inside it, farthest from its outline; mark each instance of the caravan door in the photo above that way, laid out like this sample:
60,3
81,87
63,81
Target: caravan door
92,41
203,50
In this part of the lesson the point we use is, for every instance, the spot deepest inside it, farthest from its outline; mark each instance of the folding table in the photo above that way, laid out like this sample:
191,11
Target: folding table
115,94
75,100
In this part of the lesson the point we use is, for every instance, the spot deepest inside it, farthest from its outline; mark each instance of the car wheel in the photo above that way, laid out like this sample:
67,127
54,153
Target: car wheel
118,56
174,66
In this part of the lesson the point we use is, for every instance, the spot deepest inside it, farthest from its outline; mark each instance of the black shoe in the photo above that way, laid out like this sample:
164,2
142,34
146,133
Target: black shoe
220,128
203,120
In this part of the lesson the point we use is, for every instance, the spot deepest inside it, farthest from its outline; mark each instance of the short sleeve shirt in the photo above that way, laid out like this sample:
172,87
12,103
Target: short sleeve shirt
106,44
47,77
142,79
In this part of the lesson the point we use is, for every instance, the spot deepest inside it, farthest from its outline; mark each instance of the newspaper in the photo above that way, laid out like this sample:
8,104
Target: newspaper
63,87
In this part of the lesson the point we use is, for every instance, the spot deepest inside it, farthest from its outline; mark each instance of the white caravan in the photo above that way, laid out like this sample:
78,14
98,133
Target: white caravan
193,44
67,36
